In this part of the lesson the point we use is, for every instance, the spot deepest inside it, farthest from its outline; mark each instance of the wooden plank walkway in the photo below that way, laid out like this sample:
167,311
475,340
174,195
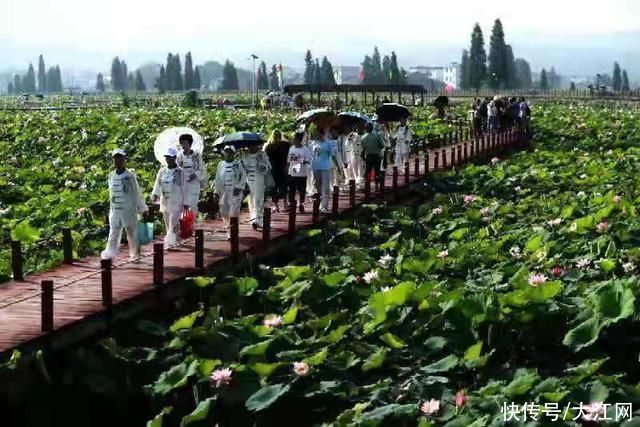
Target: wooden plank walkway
77,287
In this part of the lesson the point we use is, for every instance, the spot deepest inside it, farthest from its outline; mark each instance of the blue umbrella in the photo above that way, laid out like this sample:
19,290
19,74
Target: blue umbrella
239,140
353,119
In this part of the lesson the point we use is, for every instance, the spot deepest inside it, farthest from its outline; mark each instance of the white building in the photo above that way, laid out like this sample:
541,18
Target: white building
450,74
346,74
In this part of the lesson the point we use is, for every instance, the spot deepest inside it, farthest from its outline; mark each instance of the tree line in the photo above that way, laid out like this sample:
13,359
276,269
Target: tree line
46,81
385,71
318,73
270,80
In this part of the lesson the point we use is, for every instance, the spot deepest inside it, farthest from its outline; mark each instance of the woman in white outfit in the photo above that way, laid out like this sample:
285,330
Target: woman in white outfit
126,202
194,170
256,166
338,169
403,144
353,153
170,191
229,185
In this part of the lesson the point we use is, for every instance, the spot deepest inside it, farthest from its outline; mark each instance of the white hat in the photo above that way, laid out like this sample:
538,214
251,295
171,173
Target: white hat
118,152
229,147
171,152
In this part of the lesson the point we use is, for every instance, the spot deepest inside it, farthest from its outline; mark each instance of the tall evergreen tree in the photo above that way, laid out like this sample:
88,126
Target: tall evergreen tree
169,72
625,81
161,81
188,72
178,84
59,86
367,73
397,76
512,78
229,76
125,76
42,75
317,73
498,68
376,67
100,83
386,69
572,88
274,82
52,79
263,77
17,83
464,70
139,84
131,82
196,79
116,75
477,59
617,77
544,82
554,78
10,88
308,68
523,74
327,73
29,80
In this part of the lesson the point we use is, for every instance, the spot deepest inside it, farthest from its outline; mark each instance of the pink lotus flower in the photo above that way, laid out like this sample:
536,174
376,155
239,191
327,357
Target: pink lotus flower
461,399
557,271
469,198
537,279
301,369
602,226
272,321
430,407
221,377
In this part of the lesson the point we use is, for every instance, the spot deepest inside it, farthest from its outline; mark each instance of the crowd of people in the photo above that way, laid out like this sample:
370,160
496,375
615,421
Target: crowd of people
316,159
491,115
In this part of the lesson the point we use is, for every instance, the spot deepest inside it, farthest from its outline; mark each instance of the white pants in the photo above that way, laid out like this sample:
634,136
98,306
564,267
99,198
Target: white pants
401,158
172,225
193,196
335,176
256,198
116,224
322,182
311,183
355,170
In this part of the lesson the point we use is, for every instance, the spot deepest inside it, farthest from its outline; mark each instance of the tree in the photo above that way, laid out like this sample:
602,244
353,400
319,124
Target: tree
511,77
188,72
386,69
308,68
625,81
100,83
367,77
125,76
229,77
53,80
59,86
131,82
498,69
477,59
544,82
196,79
572,88
523,73
464,70
317,73
554,79
376,67
10,88
397,75
17,83
263,77
116,75
177,73
617,77
29,80
274,82
327,73
42,75
139,83
161,81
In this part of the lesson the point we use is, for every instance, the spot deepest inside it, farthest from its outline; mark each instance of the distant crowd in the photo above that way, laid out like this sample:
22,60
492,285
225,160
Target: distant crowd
491,115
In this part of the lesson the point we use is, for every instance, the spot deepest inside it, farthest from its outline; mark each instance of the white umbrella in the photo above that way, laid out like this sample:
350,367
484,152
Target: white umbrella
169,138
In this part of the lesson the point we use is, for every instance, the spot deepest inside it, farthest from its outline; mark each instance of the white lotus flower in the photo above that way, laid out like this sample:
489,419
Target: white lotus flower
574,227
537,279
385,261
443,254
436,211
515,252
273,321
301,369
370,276
583,263
554,222
628,267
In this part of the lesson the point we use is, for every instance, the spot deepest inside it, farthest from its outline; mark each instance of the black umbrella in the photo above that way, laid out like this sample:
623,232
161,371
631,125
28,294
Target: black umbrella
392,112
441,101
239,140
352,119
317,116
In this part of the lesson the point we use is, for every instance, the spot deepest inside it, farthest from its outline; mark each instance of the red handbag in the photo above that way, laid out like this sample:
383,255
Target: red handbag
187,224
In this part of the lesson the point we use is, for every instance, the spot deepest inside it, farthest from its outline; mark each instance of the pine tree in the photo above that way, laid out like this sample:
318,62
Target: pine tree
572,88
42,75
10,88
52,79
169,71
274,82
17,83
308,68
554,79
367,75
617,77
523,74
29,80
376,67
625,81
100,83
59,86
386,69
178,84
498,70
131,82
477,59
161,81
229,77
512,78
327,73
317,73
125,76
544,82
263,77
116,75
139,84
397,76
464,70
196,79
188,72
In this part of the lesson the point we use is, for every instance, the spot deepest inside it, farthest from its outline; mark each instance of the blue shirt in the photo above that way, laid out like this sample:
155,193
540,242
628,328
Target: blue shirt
322,153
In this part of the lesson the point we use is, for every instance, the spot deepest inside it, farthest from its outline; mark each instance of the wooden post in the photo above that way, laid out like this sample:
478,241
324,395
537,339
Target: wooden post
16,261
315,216
107,282
292,222
472,147
47,305
367,188
444,158
436,157
406,173
459,154
67,246
235,241
158,264
482,144
335,201
266,224
466,151
199,250
381,183
394,182
453,156
352,192
416,166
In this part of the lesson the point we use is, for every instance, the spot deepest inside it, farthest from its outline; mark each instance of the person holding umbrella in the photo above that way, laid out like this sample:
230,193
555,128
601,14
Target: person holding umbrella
229,185
324,153
194,171
170,191
256,166
126,202
403,143
277,150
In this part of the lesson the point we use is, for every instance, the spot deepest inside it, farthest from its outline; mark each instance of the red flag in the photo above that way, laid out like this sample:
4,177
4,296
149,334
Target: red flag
361,74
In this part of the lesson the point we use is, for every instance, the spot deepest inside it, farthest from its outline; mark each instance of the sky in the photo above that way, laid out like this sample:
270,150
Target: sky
91,32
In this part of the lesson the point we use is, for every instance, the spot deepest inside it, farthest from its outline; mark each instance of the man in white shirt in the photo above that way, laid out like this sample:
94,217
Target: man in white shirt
170,191
229,185
403,144
256,166
195,172
353,151
298,165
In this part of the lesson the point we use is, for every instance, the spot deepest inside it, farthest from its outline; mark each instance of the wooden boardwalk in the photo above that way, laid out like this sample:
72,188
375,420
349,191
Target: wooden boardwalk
77,291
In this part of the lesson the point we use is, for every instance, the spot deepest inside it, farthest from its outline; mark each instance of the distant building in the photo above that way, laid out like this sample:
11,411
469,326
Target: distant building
449,75
346,74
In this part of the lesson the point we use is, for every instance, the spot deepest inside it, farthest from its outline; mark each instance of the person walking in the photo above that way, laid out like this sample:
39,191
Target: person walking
256,166
353,153
298,162
403,143
277,150
336,171
229,186
324,152
170,191
372,150
194,170
492,114
125,203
